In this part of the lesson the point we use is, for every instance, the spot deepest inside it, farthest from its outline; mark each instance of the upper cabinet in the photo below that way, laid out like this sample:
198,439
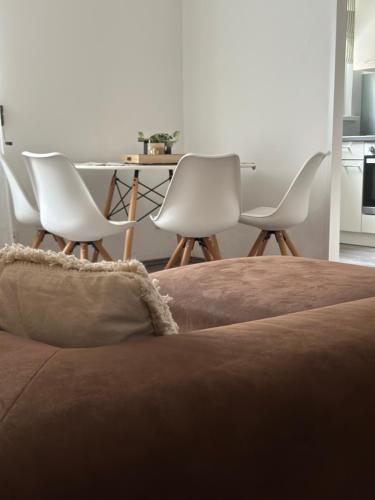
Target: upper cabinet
364,35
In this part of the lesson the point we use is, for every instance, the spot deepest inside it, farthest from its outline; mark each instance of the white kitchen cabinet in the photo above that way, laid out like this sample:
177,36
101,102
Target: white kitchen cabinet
368,223
352,150
364,35
351,196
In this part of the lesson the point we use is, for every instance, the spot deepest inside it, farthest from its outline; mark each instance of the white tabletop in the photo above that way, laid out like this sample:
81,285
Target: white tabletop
131,166
122,166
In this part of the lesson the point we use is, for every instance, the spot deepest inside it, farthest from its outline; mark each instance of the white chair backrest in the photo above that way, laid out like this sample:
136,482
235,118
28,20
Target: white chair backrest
295,203
25,210
64,200
204,189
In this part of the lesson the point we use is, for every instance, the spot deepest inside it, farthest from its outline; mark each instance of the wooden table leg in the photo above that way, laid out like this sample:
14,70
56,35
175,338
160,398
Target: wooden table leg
131,217
107,208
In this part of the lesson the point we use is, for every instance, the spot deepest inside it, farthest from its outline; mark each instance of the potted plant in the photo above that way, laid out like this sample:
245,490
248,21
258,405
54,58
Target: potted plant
142,138
159,138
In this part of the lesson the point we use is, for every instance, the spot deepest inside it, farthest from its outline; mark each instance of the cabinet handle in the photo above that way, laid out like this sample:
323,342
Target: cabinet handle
354,166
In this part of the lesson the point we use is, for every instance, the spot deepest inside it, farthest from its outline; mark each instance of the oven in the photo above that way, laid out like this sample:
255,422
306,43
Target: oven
368,191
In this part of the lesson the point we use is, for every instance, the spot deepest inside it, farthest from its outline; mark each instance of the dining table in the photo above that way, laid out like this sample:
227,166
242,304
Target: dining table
130,192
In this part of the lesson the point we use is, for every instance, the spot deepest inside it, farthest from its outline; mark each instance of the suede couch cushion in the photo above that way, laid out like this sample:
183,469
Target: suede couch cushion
280,408
61,301
238,290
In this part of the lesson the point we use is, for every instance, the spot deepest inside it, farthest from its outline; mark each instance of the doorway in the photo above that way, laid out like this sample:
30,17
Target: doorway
352,225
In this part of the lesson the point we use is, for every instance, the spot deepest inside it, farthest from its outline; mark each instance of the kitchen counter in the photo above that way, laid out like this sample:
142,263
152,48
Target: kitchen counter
358,138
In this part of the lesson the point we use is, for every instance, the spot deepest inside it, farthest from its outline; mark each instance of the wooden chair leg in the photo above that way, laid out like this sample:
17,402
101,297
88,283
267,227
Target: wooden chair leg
211,248
206,254
263,243
129,234
176,254
215,243
280,240
254,249
38,238
69,247
98,245
60,242
187,251
95,255
83,251
290,244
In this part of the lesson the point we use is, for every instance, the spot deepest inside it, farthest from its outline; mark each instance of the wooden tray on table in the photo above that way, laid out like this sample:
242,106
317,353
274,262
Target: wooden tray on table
136,159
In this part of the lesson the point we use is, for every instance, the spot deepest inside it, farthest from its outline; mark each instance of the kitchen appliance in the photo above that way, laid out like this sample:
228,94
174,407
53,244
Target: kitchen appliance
368,192
368,104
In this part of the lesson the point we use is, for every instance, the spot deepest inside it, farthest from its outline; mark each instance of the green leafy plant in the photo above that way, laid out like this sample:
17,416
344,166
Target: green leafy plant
160,137
141,137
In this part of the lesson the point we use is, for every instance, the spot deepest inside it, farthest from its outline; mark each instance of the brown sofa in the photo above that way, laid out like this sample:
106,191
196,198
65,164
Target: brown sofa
269,393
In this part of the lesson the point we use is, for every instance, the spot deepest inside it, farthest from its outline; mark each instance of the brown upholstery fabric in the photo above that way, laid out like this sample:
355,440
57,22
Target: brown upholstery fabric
20,360
281,408
239,290
267,409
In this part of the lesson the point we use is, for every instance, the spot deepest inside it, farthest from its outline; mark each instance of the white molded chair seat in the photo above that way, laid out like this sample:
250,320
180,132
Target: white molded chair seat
66,205
189,229
292,210
202,200
256,217
24,209
87,230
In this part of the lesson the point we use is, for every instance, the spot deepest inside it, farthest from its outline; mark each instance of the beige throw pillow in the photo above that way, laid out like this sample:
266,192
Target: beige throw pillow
60,300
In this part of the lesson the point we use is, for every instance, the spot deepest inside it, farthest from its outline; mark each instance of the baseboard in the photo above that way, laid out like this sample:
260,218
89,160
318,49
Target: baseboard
361,239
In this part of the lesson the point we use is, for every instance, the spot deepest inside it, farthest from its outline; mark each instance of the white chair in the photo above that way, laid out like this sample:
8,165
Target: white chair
66,205
203,199
292,210
24,208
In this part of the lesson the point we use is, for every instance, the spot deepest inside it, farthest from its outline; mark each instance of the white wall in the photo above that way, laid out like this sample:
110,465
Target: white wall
82,77
364,35
6,222
258,81
335,113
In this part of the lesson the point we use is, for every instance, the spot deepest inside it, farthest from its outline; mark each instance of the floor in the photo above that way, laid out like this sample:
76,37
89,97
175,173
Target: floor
353,254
